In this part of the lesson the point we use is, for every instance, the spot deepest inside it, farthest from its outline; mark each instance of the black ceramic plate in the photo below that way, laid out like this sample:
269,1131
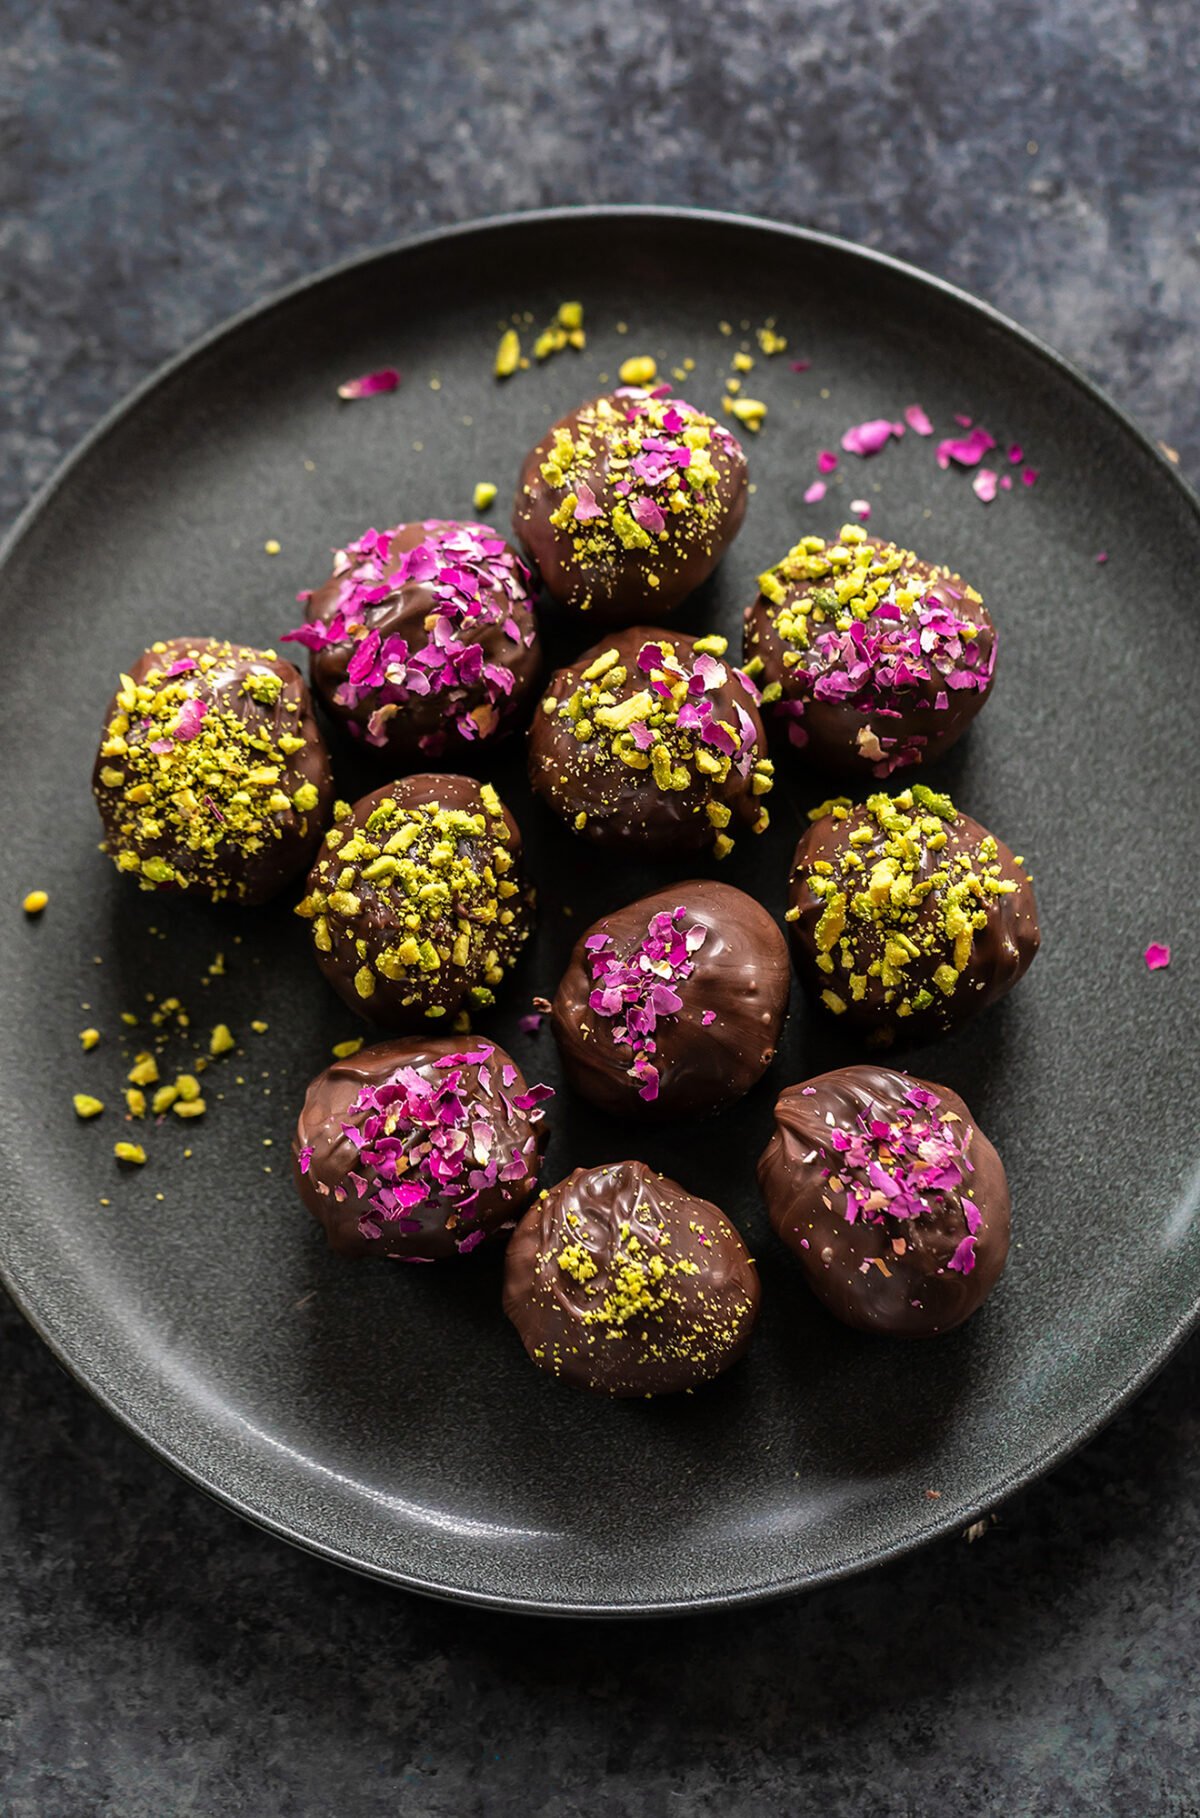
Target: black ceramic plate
387,1417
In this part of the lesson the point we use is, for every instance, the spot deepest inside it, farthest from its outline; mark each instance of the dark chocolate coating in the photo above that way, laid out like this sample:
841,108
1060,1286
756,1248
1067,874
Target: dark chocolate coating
626,809
593,1283
740,974
477,919
189,833
442,1229
585,564
1001,951
915,1293
427,726
882,726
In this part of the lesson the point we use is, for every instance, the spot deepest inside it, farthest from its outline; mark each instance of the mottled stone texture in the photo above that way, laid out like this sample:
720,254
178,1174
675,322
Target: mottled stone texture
164,163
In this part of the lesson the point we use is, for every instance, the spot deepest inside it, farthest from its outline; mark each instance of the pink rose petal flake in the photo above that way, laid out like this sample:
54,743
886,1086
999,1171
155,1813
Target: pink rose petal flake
386,379
966,451
1157,956
869,437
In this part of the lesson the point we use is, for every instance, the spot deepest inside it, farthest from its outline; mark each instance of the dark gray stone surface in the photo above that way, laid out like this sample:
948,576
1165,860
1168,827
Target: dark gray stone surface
163,164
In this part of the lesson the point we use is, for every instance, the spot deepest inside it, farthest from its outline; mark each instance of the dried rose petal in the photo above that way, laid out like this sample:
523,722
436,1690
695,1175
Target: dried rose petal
967,451
916,419
586,506
984,485
815,493
386,379
869,437
1157,956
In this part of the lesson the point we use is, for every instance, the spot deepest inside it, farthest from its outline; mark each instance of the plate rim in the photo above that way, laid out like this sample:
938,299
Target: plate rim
935,1524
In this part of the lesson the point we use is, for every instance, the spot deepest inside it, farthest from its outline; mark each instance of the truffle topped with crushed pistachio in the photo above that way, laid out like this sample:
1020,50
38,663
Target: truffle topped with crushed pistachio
212,775
650,741
627,505
417,902
907,917
875,659
622,1281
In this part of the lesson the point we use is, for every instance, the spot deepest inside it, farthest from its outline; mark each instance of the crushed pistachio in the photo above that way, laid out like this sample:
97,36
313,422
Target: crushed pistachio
751,413
638,369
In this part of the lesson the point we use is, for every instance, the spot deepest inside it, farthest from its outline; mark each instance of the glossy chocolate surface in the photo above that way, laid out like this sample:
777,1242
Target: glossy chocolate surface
368,1138
417,901
641,779
628,503
195,789
621,1281
704,946
921,916
904,1276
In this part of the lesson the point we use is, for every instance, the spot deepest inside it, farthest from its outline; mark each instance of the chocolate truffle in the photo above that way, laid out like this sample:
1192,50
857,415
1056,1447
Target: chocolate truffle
650,743
907,917
417,901
419,1149
874,659
212,775
673,1006
629,503
891,1196
620,1280
423,639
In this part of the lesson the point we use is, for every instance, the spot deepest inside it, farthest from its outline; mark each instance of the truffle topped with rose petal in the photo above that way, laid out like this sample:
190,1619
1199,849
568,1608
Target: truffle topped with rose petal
627,504
212,776
423,639
875,659
907,918
673,1006
419,1149
891,1196
651,742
